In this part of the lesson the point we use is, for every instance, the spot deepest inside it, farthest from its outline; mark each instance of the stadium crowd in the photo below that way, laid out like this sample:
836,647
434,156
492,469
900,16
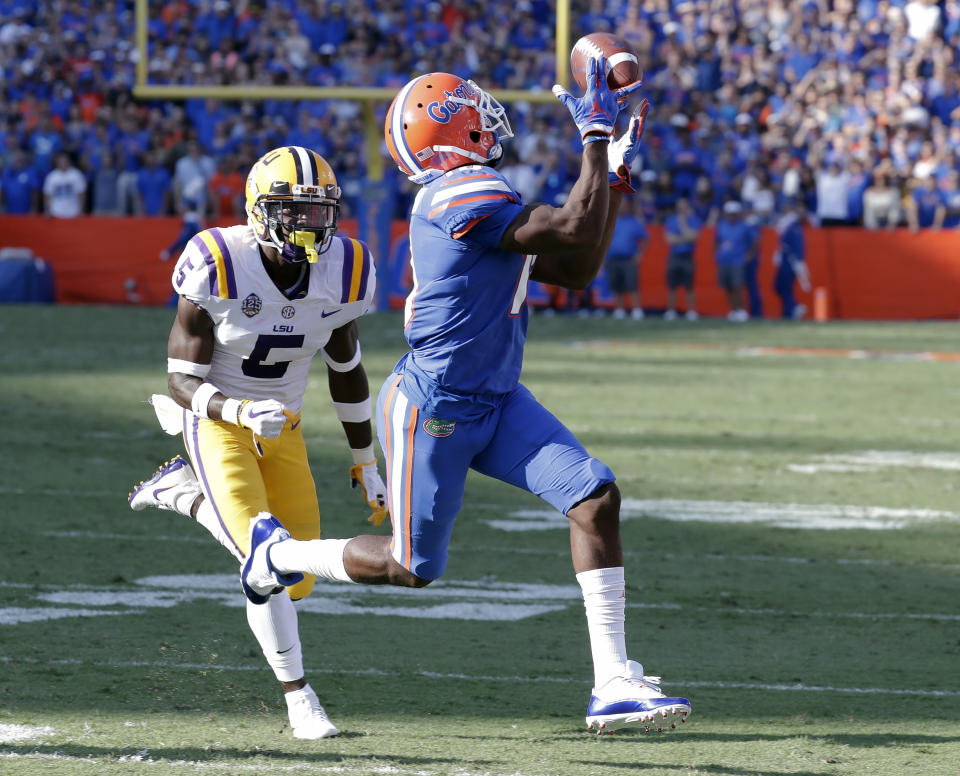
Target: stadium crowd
849,106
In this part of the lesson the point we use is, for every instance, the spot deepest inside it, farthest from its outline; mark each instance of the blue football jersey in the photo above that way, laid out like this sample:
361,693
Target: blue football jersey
466,317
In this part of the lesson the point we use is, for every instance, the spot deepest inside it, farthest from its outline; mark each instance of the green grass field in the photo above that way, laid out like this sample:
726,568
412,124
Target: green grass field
791,521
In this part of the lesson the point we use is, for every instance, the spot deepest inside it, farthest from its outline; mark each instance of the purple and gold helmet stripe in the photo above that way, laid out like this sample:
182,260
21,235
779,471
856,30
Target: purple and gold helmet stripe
356,270
215,254
294,152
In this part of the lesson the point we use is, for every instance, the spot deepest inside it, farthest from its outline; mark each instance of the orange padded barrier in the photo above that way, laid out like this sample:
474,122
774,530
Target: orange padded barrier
866,274
95,258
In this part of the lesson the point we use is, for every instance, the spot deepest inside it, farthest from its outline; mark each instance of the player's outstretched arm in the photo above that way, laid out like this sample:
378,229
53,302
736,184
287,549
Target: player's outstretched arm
577,226
552,233
350,392
189,353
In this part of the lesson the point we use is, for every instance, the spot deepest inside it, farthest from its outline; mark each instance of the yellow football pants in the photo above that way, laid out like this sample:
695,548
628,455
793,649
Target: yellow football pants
242,476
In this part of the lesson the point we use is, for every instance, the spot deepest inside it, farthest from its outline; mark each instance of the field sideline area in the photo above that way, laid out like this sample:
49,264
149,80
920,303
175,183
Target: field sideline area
791,519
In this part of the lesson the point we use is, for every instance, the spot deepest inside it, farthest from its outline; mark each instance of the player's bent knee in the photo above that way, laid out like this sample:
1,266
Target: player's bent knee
598,511
402,577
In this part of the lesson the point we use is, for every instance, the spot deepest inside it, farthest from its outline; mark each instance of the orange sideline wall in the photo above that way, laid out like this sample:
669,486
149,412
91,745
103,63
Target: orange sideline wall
866,274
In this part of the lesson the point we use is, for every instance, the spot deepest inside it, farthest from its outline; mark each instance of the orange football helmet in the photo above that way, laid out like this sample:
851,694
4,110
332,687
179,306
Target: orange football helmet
439,121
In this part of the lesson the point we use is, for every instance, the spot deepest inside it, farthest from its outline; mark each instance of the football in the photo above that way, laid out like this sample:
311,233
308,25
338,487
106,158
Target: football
622,65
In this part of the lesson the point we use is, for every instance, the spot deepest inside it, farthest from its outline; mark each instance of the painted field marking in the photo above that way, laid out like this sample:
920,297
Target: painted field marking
16,615
718,557
123,537
870,461
58,492
806,516
463,600
880,354
12,734
447,676
308,765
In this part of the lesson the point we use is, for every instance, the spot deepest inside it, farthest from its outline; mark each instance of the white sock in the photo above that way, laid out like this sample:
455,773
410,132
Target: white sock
321,557
275,626
604,598
207,517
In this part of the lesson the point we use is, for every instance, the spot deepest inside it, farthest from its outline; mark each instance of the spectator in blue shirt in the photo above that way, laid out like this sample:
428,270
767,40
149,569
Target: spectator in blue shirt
734,241
153,186
19,186
752,265
681,229
45,142
857,183
790,259
925,208
950,189
623,257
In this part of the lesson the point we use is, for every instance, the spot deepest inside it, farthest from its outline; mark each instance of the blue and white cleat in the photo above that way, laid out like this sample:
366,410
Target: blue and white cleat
634,699
258,577
173,486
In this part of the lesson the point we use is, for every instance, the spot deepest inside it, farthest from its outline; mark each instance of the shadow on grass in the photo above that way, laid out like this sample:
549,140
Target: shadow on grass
224,754
854,740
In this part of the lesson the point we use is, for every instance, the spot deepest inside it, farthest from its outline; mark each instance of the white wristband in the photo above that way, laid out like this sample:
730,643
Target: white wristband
187,367
231,411
353,412
363,455
342,366
201,399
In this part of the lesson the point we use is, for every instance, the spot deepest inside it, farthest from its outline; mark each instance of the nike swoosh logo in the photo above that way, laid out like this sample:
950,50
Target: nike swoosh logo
325,314
258,414
158,491
294,425
284,651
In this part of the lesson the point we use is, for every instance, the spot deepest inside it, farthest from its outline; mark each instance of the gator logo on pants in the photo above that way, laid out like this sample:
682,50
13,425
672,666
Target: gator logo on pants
438,428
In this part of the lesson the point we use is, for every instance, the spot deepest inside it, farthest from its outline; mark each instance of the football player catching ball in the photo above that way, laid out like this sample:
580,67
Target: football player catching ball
256,303
454,401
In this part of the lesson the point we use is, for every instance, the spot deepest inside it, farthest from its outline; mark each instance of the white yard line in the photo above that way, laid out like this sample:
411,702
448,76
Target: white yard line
520,550
714,556
96,535
58,492
144,757
12,734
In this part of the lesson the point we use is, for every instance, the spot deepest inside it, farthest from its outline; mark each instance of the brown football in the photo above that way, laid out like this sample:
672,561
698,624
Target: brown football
622,65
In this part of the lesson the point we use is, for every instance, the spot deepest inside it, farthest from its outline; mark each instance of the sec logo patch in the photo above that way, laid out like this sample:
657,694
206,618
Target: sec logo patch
438,428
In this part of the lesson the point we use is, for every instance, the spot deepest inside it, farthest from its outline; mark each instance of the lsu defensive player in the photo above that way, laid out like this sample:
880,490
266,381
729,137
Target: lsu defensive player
454,401
256,303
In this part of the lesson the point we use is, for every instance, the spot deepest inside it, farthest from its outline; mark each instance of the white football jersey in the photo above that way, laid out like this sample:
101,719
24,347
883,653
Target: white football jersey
263,341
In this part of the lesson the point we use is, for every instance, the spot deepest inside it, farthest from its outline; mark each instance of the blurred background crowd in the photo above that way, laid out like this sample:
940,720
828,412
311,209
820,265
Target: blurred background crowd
847,106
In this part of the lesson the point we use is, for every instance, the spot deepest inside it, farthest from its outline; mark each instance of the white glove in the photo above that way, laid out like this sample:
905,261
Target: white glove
621,152
264,418
374,491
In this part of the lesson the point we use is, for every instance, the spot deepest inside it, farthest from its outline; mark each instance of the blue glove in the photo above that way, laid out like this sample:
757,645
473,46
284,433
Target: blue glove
596,112
622,152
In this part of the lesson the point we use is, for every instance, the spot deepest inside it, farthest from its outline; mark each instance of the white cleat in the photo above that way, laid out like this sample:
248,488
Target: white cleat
173,486
307,717
634,699
258,577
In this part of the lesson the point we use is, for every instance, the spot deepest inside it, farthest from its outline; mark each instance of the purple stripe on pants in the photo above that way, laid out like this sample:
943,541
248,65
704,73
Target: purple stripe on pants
195,454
